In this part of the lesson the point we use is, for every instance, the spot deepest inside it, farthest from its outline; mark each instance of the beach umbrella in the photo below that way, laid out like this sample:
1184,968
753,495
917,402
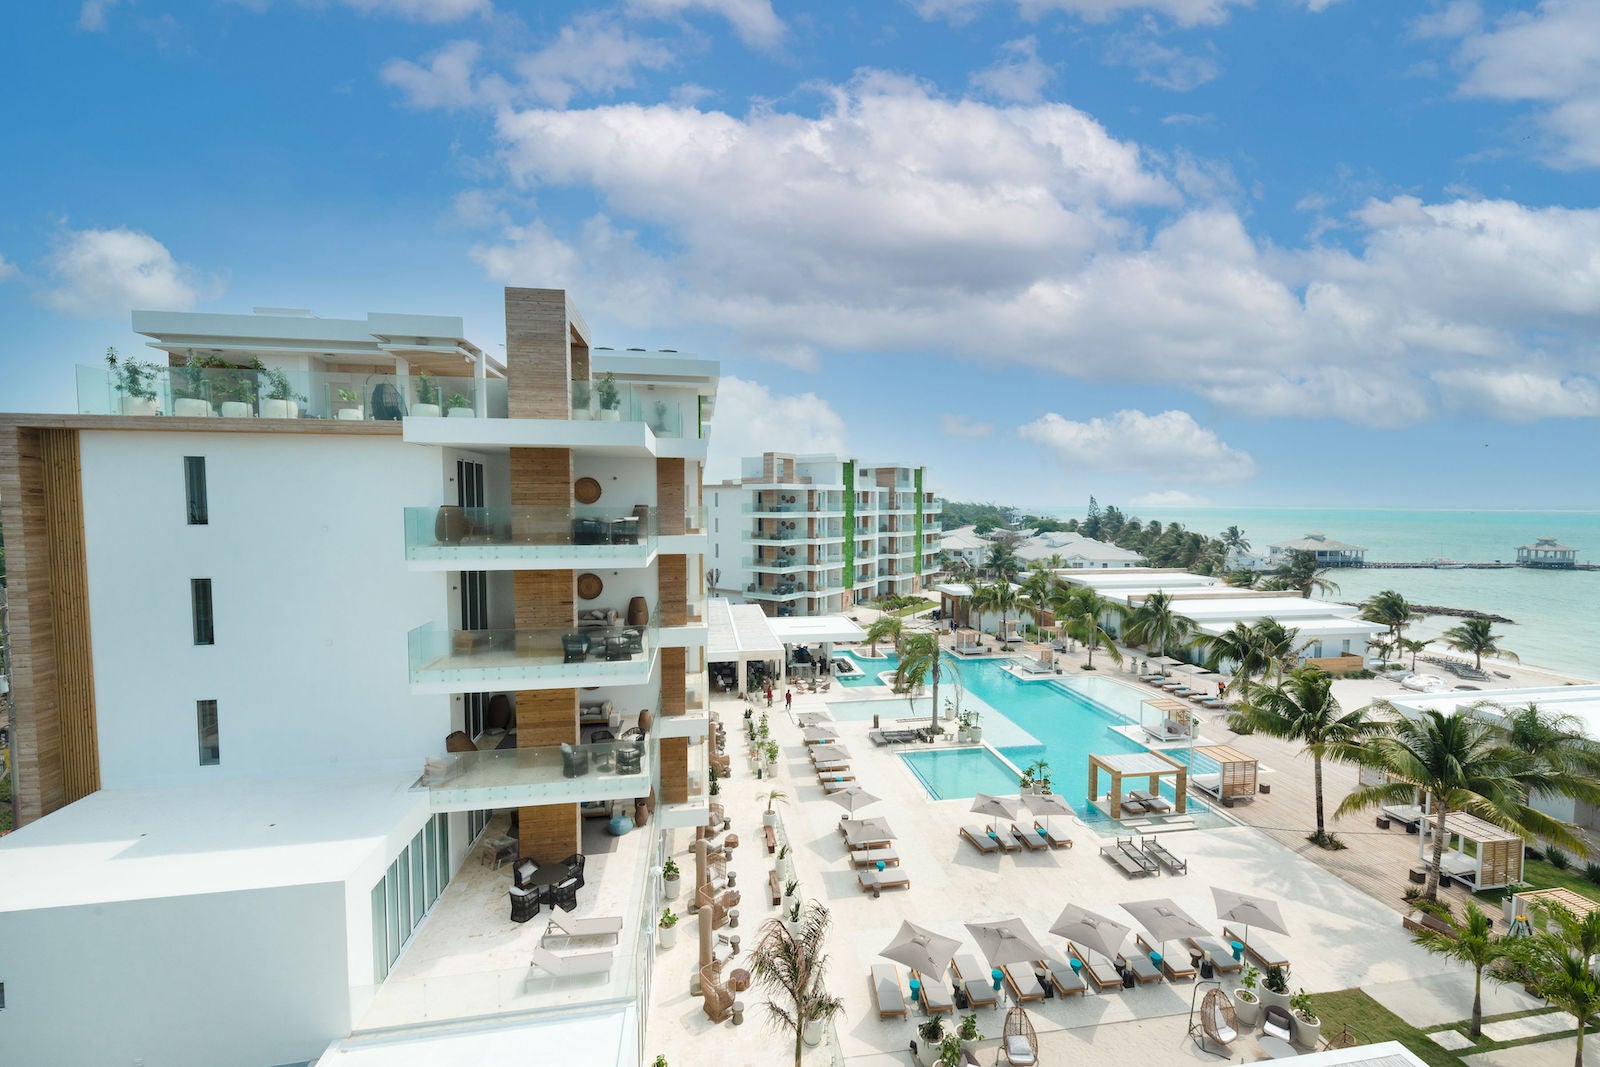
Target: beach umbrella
829,752
820,733
1250,910
1006,941
1046,804
1091,930
853,798
924,951
813,718
874,829
1164,921
995,807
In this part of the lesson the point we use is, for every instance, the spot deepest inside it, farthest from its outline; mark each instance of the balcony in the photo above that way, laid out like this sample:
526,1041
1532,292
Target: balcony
770,536
779,591
471,661
135,388
772,563
773,507
529,538
666,415
520,777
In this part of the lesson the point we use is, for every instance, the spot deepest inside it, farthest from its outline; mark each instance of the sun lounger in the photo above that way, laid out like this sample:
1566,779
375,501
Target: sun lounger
832,785
935,995
979,838
1221,955
1158,851
871,857
1143,970
1213,702
976,981
1125,854
1173,968
562,929
886,990
877,737
568,964
1037,666
1100,971
1063,977
875,882
1409,815
968,650
841,776
1167,730
1022,982
903,737
1030,838
1007,839
1263,953
1056,838
1151,802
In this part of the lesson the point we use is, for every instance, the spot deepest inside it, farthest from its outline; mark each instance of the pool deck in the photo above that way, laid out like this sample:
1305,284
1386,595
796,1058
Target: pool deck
1337,939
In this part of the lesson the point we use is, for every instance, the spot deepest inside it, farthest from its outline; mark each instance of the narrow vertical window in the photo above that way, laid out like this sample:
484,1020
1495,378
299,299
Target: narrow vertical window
205,712
194,485
200,594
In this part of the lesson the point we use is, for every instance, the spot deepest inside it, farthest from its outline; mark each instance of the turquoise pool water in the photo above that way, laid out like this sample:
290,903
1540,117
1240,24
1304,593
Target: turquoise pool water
871,667
947,773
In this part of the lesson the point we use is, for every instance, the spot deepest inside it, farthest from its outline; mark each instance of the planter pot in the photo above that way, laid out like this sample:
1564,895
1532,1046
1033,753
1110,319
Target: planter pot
927,1052
135,405
426,411
1269,998
191,408
669,936
582,415
350,414
1306,1033
1248,1011
977,735
670,887
811,1033
769,818
610,415
236,409
279,409
461,413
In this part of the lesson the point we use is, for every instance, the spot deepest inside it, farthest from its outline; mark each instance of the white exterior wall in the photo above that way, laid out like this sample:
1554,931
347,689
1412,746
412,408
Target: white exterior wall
213,980
311,598
726,523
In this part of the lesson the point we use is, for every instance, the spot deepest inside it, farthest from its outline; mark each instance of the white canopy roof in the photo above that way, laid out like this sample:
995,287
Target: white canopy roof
815,629
739,632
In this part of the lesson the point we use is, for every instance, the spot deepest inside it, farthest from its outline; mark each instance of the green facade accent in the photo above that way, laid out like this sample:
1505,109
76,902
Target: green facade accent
850,526
916,520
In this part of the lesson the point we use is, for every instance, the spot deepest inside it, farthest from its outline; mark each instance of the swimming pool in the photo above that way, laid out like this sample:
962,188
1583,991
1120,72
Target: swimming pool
870,668
948,773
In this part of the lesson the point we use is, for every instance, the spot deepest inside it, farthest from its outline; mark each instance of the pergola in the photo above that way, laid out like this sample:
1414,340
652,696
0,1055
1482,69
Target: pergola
1167,709
1576,903
1236,774
1151,766
1496,862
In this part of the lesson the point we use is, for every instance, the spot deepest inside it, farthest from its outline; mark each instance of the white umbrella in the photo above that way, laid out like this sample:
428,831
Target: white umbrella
1249,910
1165,921
813,718
995,807
835,751
1006,941
1046,804
924,951
853,798
875,829
1091,930
821,733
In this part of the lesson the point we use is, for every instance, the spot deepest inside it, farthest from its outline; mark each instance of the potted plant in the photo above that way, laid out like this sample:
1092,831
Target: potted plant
610,399
660,1060
950,1050
189,396
1246,1004
669,928
771,751
660,424
791,917
789,964
459,407
930,1035
967,1032
237,391
580,402
135,383
770,817
427,405
670,879
1307,1026
1275,989
280,400
785,864
351,411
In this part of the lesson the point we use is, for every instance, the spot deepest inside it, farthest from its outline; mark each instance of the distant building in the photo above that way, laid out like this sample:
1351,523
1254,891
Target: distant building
964,543
1064,549
1547,552
1329,553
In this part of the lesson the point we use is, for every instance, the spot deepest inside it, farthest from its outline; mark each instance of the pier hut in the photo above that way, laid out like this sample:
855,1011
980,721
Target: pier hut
1548,553
1329,553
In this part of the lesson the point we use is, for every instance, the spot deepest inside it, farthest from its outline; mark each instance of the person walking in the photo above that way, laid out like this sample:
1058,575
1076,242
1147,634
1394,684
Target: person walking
788,700
769,694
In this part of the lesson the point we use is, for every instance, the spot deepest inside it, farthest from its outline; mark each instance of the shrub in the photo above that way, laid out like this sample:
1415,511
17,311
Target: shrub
1533,854
1556,858
1591,871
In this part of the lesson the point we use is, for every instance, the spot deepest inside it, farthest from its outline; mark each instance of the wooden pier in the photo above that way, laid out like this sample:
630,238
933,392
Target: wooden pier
1436,565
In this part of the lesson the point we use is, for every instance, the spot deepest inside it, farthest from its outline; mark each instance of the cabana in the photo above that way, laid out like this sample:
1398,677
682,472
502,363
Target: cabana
1494,863
1152,766
1234,778
1172,721
968,642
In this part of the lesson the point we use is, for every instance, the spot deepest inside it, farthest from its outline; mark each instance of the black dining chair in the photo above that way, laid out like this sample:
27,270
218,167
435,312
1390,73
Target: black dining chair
524,903
574,864
564,895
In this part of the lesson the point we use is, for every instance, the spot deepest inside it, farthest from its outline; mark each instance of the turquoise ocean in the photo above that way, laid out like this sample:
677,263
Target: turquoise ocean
1556,613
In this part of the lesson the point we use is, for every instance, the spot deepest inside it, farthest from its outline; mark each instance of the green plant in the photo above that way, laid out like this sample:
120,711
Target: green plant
1277,981
1300,1004
670,869
1249,977
607,393
668,919
790,886
969,1028
716,787
783,850
660,1060
772,751
1557,858
950,1051
1558,959
194,374
427,390
349,396
932,1030
580,396
1591,871
794,909
457,401
1471,942
131,377
275,380
776,796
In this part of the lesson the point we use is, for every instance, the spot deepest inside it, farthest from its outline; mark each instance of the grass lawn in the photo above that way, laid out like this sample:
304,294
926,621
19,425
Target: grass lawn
1374,1022
5,804
921,605
1540,875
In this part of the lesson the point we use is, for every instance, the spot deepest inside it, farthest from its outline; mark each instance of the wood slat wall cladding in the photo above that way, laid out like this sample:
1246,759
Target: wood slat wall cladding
538,354
550,832
670,495
672,582
675,770
673,680
69,608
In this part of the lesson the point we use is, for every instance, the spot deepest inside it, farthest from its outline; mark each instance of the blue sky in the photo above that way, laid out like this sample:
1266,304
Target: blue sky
1280,252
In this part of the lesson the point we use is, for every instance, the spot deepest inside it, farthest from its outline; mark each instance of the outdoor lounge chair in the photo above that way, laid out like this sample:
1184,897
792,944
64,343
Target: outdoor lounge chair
1096,968
1005,837
1159,853
877,737
871,857
1128,856
1062,976
1218,1023
978,838
1030,838
975,981
875,881
1277,1022
561,929
1019,1045
1151,802
569,964
1173,968
833,783
1022,982
886,990
1221,955
935,995
1264,953
1056,838
1143,970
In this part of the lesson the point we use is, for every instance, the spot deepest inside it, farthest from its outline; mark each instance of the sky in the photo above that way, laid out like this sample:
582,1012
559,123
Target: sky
1167,252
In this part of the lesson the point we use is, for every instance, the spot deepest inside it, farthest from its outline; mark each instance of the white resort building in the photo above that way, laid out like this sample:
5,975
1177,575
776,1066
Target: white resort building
289,645
1549,553
815,535
1328,552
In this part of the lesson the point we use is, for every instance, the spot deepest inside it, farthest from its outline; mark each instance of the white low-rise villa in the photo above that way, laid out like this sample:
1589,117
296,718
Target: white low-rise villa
1328,552
1547,552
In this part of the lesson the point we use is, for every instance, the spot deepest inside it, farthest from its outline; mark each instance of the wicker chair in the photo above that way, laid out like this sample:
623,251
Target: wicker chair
1218,1023
1019,1045
716,999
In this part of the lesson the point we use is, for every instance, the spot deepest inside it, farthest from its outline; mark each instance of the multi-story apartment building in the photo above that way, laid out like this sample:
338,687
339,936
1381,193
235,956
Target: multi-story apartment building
814,535
286,638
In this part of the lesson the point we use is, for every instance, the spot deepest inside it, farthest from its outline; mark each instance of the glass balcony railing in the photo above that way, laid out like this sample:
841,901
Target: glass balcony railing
772,563
522,776
772,507
478,657
666,415
453,533
773,535
230,392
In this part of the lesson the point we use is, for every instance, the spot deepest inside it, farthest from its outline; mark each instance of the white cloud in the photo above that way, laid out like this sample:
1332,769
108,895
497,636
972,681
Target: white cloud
753,20
1170,445
8,270
445,82
103,273
751,419
591,54
1523,395
92,15
1168,498
1183,12
1180,118
415,10
955,12
1455,19
963,426
1020,75
1156,63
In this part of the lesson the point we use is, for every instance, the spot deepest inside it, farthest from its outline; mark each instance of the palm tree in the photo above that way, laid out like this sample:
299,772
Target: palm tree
1037,589
1300,573
1552,740
1154,622
1241,647
1233,540
1413,646
1390,609
1558,958
1461,763
923,661
1476,635
1002,564
1303,709
1085,618
791,966
1474,944
889,628
1280,644
1002,597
